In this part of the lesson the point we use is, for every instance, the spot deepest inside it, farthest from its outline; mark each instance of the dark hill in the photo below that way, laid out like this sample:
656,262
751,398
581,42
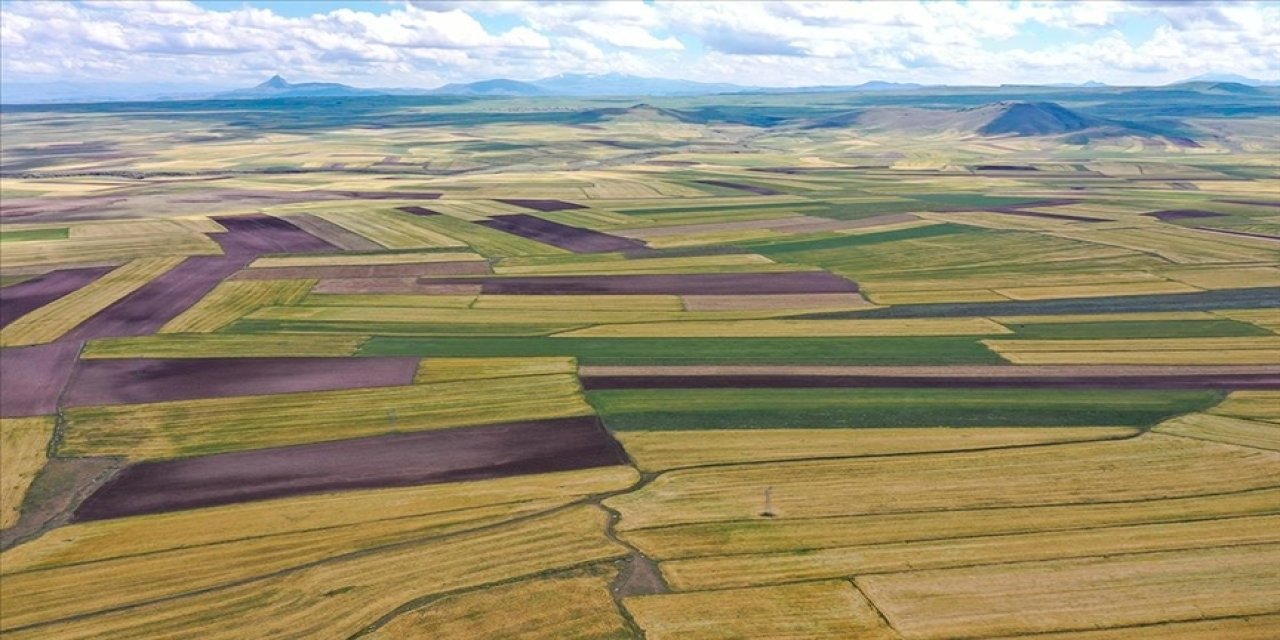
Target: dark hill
1035,119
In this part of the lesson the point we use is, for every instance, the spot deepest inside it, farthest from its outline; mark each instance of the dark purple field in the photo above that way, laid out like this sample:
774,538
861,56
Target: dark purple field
749,188
575,239
1051,216
32,378
681,284
20,299
1243,234
149,307
132,381
418,211
1182,381
460,268
384,195
542,205
1183,214
396,460
334,234
256,235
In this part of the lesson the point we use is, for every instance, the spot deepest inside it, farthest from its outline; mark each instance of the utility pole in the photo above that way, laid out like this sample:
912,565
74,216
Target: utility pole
768,503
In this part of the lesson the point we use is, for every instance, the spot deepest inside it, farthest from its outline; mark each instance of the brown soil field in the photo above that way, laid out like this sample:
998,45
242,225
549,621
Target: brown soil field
781,301
409,285
461,268
450,455
542,205
131,381
750,188
418,211
145,310
32,378
1182,214
254,235
25,297
683,284
575,239
1051,216
333,234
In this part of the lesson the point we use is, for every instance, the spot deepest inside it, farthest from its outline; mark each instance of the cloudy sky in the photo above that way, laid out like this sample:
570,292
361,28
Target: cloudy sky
426,43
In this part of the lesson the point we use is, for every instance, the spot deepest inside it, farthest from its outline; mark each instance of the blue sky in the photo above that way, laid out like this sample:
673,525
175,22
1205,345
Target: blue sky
426,43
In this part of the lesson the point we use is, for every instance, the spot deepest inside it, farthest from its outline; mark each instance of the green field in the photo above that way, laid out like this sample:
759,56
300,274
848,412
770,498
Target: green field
682,409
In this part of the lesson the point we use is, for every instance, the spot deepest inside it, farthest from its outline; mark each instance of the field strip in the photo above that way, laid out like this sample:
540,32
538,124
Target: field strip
25,442
667,450
1252,627
832,562
1206,426
397,459
205,426
93,542
336,260
1124,470
977,371
1082,594
51,321
232,299
755,536
225,345
834,609
792,328
340,595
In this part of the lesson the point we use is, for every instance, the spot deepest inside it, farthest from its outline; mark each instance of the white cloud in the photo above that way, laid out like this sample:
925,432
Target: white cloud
748,42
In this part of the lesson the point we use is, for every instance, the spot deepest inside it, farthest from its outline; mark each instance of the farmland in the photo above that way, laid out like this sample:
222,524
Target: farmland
734,366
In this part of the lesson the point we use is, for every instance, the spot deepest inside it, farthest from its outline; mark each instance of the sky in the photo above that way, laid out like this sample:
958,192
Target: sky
427,43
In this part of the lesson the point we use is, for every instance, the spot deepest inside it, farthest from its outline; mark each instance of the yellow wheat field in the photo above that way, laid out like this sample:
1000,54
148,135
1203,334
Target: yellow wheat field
811,611
49,322
659,450
1080,594
232,299
576,605
341,596
835,562
199,427
204,345
23,446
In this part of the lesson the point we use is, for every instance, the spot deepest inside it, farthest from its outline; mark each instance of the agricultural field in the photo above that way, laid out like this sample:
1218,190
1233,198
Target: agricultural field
737,366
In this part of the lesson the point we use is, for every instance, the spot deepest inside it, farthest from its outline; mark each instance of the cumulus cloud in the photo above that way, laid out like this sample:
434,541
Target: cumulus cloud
429,42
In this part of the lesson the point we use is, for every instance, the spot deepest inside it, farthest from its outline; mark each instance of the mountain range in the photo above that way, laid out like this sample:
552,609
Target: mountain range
568,85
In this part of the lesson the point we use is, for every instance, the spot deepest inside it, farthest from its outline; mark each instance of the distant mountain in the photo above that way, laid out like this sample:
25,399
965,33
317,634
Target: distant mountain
496,87
639,113
1092,84
1010,118
874,85
1034,119
1232,78
278,87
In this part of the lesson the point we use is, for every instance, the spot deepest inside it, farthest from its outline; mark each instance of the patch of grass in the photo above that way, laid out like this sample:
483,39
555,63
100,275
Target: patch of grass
29,235
652,409
849,351
851,241
1138,329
